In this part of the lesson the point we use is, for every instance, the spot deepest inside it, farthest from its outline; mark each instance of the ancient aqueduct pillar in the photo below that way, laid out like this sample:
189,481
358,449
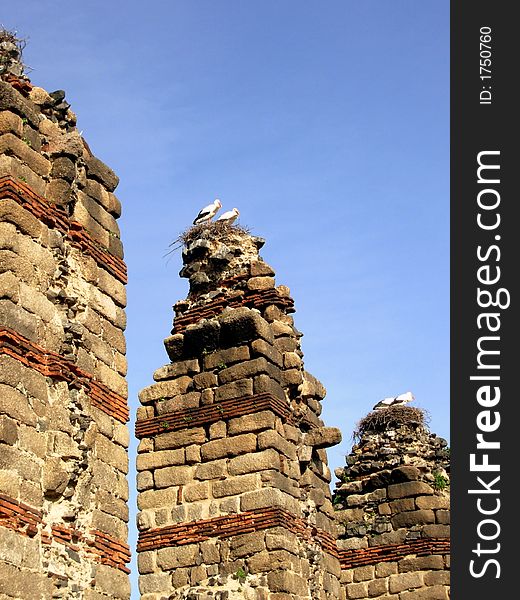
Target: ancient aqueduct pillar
393,509
233,481
63,394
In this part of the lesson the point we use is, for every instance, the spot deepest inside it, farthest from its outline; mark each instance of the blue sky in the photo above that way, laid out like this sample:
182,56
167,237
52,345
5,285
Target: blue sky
326,124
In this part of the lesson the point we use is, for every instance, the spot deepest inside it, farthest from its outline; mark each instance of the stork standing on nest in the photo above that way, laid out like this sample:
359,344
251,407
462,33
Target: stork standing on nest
394,401
229,217
208,212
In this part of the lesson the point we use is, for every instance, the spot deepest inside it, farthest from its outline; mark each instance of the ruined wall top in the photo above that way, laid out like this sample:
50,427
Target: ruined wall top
224,270
11,48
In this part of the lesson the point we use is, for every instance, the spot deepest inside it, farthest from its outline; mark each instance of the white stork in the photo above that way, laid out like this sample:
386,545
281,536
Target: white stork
395,401
208,212
229,217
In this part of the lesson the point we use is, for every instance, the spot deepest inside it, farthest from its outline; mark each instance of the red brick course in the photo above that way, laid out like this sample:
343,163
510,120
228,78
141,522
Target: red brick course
211,413
232,525
19,516
391,552
259,299
266,518
28,521
55,217
55,366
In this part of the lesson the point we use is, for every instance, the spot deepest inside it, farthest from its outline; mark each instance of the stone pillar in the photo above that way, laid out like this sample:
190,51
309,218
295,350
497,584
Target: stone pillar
393,507
233,480
63,394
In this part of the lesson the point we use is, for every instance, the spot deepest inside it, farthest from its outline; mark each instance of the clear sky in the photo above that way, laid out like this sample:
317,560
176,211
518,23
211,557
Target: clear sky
325,123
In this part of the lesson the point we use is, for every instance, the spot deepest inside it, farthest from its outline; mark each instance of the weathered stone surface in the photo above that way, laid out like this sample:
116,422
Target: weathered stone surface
63,168
165,389
245,545
109,524
436,592
269,497
286,581
249,423
260,268
397,506
144,481
414,517
177,403
243,325
205,380
97,170
161,458
410,488
260,283
377,587
157,498
235,389
233,446
262,348
174,346
12,101
195,492
10,123
244,370
193,454
291,360
433,502
12,212
110,453
217,430
235,485
443,517
364,573
11,166
176,369
265,384
173,476
254,462
13,583
404,473
385,569
211,470
8,430
436,531
287,344
272,439
357,590
201,338
178,439
112,582
437,578
404,581
223,358
183,556
10,144
421,563
324,437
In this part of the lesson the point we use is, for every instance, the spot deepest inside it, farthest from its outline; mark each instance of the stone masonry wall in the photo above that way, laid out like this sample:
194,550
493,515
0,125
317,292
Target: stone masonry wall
392,505
233,481
63,394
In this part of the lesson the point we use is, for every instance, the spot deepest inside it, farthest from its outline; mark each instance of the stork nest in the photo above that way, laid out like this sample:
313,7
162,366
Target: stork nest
392,417
211,229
